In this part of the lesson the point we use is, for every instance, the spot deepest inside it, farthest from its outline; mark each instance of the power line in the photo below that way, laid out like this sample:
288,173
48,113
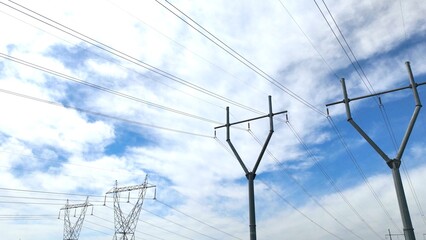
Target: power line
101,88
101,114
115,62
122,55
331,181
180,45
237,56
196,219
32,203
367,82
403,19
309,40
178,224
50,192
95,230
164,229
299,211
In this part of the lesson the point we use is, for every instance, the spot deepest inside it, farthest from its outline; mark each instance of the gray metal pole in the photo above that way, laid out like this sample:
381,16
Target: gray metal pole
252,214
403,206
251,175
395,163
390,235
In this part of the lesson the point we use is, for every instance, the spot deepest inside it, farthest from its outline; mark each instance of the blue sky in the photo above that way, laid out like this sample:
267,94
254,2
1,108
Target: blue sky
114,90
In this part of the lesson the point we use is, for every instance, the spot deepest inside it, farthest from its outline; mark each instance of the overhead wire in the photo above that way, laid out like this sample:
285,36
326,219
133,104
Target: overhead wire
95,230
61,193
196,219
203,31
103,89
163,229
101,114
403,19
309,40
331,181
178,224
114,62
299,211
26,217
181,45
115,52
32,203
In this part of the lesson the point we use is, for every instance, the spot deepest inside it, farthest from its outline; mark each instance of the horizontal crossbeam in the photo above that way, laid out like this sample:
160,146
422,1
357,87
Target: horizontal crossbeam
251,119
80,205
129,188
374,94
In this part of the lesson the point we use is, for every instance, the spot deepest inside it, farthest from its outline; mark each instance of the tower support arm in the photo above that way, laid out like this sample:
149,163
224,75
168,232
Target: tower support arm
416,112
268,138
357,127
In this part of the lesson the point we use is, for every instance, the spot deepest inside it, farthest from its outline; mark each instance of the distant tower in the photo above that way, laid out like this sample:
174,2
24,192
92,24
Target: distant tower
125,226
72,232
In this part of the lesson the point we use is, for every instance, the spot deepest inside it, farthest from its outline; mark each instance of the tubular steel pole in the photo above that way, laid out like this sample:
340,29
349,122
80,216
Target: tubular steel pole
402,201
395,163
252,210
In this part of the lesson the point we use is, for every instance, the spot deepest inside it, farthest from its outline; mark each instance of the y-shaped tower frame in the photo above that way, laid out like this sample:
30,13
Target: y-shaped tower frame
72,232
125,226
250,175
394,163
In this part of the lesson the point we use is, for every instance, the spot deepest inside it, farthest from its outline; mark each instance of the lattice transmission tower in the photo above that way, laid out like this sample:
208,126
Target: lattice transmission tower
125,226
72,231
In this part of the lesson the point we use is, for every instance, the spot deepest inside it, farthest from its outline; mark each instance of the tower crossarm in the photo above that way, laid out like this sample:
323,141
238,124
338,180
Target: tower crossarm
130,188
72,231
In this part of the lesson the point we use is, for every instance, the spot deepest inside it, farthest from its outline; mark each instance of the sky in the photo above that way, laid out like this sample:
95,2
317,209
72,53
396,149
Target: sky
94,93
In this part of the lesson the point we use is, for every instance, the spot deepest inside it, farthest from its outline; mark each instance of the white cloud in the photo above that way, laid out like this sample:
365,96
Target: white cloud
63,150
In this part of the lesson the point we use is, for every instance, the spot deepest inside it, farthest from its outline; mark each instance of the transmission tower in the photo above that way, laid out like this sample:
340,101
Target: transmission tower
125,226
393,163
72,232
250,175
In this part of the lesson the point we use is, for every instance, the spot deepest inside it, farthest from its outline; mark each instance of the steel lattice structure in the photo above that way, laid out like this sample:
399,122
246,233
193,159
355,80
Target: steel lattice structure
72,232
125,226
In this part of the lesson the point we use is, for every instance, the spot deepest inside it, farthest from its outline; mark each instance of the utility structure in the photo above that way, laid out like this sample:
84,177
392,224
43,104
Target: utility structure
72,231
125,226
251,175
394,163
